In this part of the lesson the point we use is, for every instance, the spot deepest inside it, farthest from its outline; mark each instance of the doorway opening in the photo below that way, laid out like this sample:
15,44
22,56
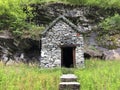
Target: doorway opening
68,57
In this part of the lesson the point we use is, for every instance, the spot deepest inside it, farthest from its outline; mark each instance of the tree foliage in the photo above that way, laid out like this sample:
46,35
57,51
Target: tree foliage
11,13
13,16
108,36
111,23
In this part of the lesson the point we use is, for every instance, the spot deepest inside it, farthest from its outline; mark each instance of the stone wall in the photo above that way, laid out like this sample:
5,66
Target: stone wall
86,18
60,34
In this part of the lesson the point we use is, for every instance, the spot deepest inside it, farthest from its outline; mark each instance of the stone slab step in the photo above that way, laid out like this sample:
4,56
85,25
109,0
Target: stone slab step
68,78
69,86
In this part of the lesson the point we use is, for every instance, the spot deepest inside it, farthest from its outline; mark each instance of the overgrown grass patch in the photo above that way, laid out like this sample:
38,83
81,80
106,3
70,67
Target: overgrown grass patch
97,75
28,78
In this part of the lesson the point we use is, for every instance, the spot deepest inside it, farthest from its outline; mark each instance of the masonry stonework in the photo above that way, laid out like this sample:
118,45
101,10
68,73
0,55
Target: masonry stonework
60,33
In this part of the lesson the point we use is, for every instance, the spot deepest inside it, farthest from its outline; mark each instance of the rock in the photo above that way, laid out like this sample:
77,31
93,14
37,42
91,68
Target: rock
69,86
112,54
92,54
10,62
26,50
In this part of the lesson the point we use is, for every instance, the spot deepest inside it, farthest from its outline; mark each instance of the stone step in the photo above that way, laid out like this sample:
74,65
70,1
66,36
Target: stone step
69,86
68,78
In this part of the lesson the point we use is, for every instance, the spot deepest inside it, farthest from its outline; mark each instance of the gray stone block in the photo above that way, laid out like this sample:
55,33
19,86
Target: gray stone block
68,78
69,86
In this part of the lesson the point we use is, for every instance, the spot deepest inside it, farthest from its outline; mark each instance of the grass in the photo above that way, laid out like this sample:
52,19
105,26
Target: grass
97,75
28,78
100,75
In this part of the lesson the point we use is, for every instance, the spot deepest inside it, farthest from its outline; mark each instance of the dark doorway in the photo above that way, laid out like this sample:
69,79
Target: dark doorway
68,57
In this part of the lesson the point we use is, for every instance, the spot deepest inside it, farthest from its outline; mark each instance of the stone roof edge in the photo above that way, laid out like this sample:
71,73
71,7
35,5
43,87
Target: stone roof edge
61,17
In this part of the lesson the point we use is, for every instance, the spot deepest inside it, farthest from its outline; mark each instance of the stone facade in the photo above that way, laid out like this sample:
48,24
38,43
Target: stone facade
60,33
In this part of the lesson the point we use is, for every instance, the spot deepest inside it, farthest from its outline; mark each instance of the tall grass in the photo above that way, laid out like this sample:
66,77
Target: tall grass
97,75
28,78
100,75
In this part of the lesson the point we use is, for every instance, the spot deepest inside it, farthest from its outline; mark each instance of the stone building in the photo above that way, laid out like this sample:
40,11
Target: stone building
62,45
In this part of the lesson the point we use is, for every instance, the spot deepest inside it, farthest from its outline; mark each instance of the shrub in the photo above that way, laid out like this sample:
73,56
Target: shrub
110,29
11,12
15,13
111,23
12,16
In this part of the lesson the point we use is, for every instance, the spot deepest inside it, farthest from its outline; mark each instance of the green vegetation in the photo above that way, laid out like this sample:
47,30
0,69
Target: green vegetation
111,23
110,32
11,14
100,3
23,77
13,17
98,75
16,15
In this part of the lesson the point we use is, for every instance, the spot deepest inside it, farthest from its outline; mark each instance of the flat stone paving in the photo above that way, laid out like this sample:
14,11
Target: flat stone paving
68,78
69,82
69,86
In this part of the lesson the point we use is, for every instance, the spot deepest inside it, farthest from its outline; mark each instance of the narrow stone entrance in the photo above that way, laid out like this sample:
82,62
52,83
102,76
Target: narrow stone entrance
67,57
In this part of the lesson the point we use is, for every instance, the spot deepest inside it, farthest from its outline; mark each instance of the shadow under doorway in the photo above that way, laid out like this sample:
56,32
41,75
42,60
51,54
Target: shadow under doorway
68,57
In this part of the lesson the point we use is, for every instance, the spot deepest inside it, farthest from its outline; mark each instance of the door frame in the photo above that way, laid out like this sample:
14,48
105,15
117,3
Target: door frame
73,53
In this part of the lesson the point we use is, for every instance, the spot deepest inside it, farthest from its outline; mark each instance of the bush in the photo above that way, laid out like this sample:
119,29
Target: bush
108,36
111,23
13,17
15,13
11,12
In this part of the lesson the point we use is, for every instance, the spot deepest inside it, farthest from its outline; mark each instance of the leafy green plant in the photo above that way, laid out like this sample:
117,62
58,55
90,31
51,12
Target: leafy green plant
110,28
10,11
34,32
15,13
12,16
111,23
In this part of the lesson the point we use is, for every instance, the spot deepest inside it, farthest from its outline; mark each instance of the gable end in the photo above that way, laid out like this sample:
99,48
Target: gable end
63,19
